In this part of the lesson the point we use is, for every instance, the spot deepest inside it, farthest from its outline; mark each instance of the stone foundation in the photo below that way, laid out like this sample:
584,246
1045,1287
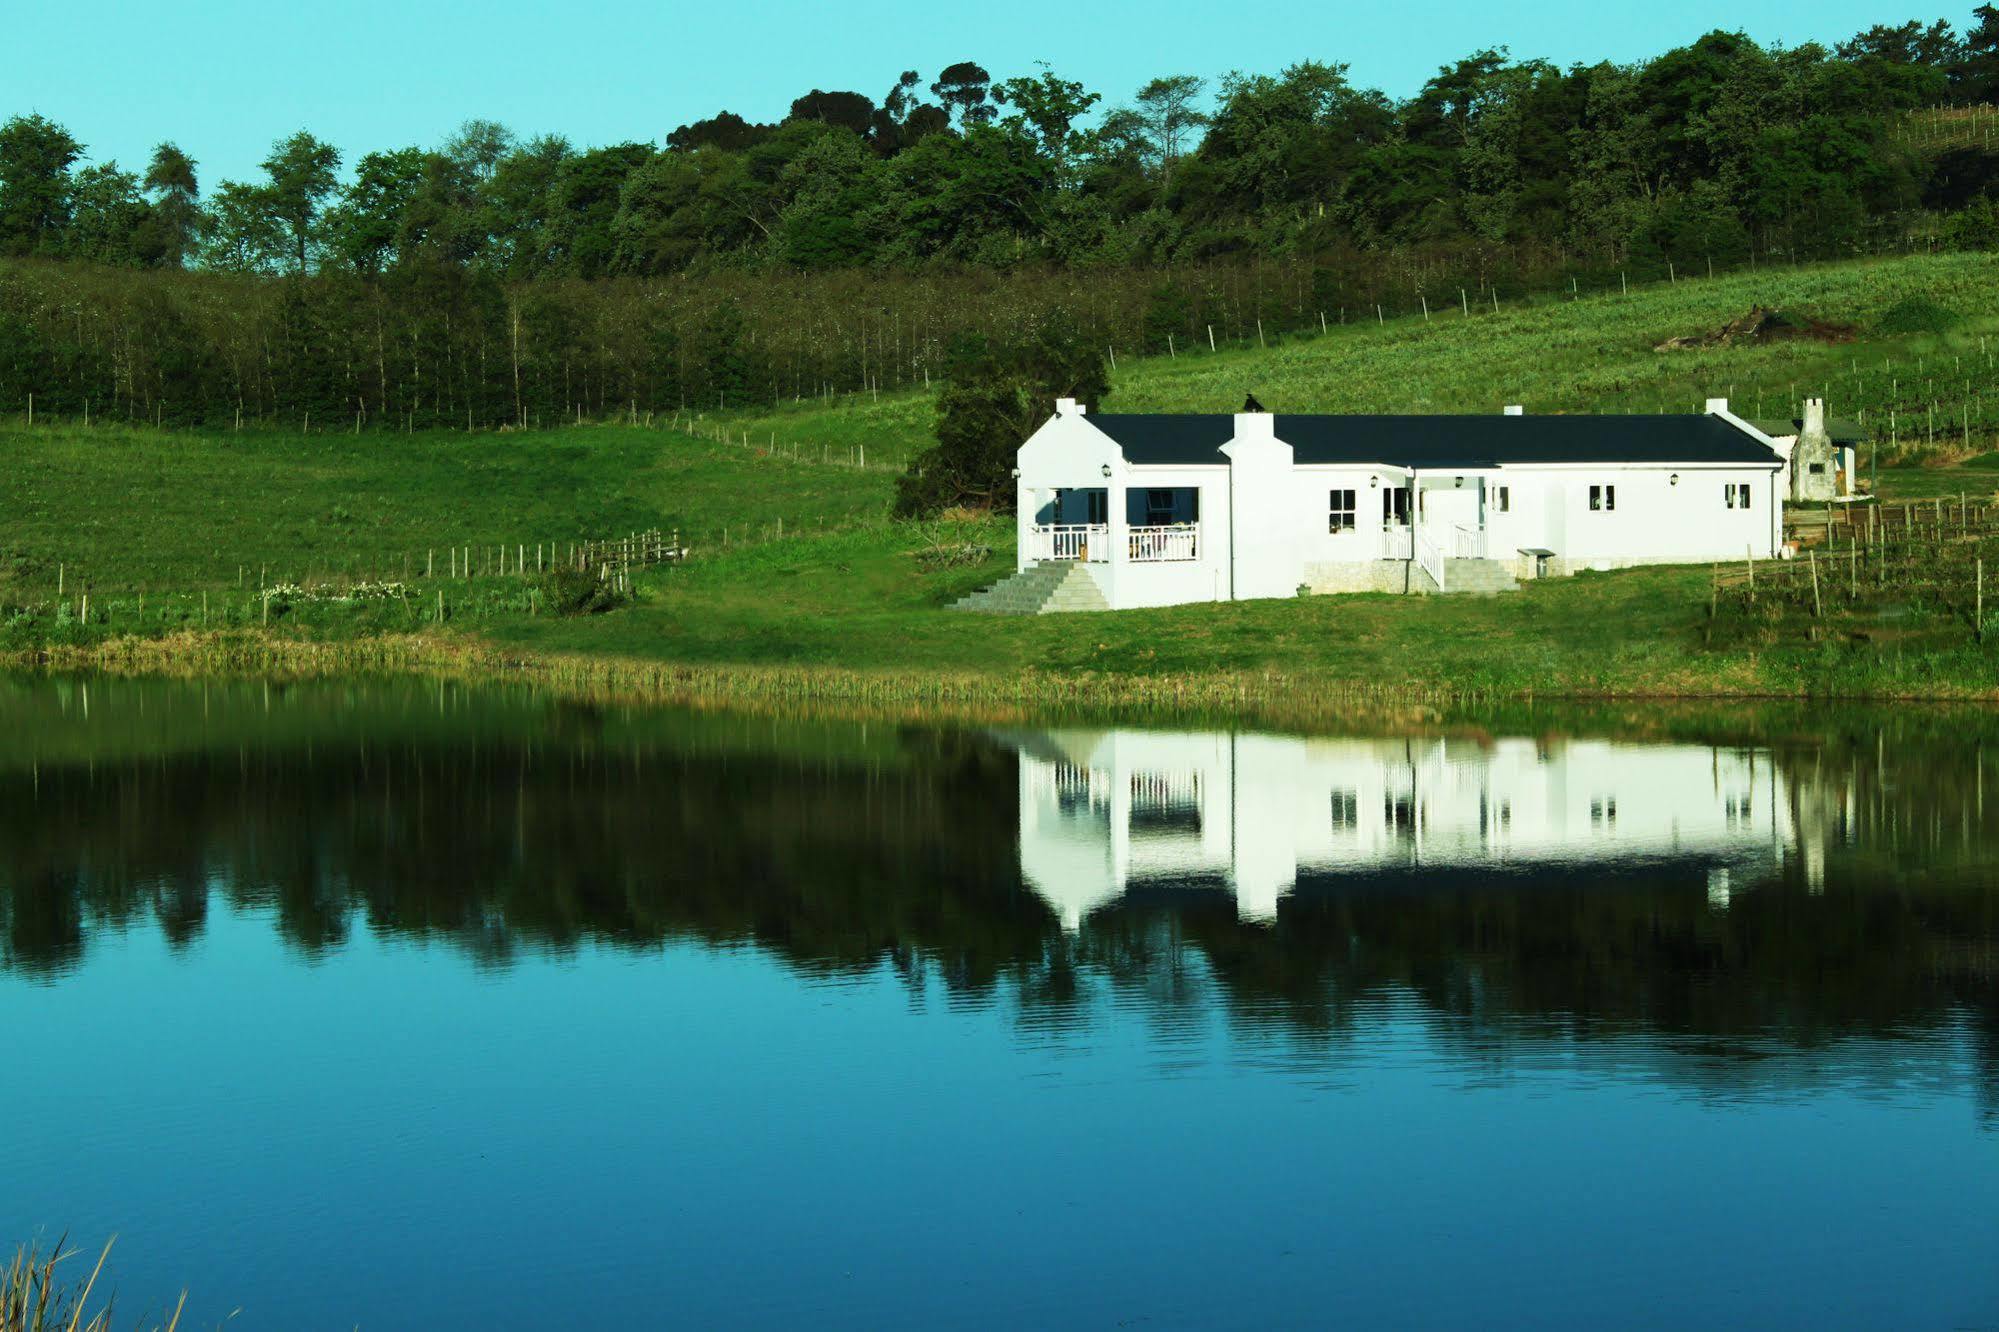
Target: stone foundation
1325,579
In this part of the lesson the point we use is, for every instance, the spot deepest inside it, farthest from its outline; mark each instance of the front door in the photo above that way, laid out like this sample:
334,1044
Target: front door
1395,507
1099,502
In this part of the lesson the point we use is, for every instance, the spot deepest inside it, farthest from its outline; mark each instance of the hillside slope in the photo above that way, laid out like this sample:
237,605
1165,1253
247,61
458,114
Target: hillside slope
1924,334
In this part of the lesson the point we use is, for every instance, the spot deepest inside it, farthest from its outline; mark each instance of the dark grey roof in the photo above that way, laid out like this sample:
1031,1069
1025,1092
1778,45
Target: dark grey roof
1444,441
1841,431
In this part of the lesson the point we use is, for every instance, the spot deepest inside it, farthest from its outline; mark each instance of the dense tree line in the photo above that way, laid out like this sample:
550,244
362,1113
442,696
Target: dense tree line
1707,150
495,280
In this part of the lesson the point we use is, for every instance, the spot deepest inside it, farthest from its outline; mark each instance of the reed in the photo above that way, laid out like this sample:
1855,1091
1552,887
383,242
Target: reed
34,1297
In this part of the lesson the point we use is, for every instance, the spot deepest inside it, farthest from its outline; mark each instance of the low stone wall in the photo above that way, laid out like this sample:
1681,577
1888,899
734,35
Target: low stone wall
1562,566
1324,579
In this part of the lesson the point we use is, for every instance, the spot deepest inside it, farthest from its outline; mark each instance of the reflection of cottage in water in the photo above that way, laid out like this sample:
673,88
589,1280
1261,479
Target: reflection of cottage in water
1106,812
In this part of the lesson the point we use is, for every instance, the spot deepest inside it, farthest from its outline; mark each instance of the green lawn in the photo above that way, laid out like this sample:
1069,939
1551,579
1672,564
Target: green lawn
124,510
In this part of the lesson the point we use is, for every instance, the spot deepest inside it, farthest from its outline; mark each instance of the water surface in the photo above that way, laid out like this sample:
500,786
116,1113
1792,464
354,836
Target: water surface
403,1005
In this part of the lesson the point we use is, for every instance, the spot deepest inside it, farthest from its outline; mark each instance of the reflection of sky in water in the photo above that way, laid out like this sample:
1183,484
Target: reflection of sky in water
394,1136
1259,1031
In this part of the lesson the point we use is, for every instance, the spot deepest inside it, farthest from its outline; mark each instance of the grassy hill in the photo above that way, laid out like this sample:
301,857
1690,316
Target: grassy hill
798,569
1923,344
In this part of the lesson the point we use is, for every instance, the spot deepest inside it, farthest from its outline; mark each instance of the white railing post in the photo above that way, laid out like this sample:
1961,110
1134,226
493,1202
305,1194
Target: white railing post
1157,545
1430,557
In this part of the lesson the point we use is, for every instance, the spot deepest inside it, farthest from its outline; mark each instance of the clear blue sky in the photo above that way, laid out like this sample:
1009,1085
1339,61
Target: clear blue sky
223,78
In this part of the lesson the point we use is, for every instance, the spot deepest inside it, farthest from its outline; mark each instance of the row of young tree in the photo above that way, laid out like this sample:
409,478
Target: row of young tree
1714,149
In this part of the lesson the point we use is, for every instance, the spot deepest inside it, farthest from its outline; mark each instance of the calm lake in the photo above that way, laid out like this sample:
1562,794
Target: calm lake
408,1005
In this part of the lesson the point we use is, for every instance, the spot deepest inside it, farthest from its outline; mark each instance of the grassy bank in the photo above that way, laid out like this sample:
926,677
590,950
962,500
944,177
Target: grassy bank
800,587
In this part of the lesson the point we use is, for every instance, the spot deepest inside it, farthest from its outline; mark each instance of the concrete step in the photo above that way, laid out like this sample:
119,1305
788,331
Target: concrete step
1039,589
1478,577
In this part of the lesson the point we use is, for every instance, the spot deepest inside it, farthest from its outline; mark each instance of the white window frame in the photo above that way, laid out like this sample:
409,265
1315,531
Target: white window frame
1502,499
1603,498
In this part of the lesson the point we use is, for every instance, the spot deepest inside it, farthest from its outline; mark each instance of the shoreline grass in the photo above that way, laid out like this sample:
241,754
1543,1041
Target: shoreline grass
34,1299
1286,698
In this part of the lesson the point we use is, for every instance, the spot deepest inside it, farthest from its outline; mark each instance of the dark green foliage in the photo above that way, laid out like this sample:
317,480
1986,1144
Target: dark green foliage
996,397
1917,314
35,189
578,592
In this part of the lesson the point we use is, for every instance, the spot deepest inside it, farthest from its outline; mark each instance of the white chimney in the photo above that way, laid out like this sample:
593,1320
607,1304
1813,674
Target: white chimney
1717,406
1814,417
1255,426
1515,409
1068,407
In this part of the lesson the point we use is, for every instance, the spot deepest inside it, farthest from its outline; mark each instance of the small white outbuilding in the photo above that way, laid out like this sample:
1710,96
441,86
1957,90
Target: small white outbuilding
1157,510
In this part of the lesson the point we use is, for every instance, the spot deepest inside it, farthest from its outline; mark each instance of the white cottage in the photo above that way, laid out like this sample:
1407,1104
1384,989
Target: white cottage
1120,511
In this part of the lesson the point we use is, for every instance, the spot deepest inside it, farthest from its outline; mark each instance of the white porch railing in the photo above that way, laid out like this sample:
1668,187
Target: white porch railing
1070,541
1157,544
1395,544
1468,543
1430,558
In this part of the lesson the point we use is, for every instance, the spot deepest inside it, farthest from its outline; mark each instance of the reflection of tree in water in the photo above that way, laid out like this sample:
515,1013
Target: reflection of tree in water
841,865
497,846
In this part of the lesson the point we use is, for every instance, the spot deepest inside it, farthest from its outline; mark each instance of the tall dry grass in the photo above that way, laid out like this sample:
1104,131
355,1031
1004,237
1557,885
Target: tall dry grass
34,1297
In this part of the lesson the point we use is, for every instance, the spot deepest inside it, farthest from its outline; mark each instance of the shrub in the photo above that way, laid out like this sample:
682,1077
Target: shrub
1917,314
578,592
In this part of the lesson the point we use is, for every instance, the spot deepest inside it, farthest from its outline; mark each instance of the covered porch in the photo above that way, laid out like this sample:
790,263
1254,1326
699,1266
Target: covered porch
1437,516
1098,524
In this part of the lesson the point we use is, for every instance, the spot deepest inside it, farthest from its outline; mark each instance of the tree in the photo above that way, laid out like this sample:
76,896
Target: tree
516,206
365,230
478,147
1975,77
1910,43
995,397
242,233
963,88
904,117
584,210
1168,112
301,172
1050,107
849,110
725,130
107,216
35,157
177,217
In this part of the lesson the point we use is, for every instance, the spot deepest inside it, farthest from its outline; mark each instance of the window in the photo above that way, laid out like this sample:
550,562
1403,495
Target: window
1158,508
1603,497
1346,810
1340,511
1502,499
1816,469
1099,502
1395,507
1736,496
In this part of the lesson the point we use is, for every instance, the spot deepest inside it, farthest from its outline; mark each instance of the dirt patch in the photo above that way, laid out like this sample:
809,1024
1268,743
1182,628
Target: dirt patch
1765,325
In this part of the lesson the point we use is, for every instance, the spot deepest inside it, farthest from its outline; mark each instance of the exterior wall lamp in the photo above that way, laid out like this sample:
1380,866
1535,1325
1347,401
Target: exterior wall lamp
1373,481
1673,480
1459,483
1107,471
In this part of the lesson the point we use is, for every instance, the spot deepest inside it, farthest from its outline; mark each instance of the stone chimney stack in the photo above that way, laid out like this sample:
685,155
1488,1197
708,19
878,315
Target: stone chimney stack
1814,420
1813,475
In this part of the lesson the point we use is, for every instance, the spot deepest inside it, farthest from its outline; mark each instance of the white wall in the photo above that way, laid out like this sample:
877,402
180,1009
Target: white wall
1264,504
1655,521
